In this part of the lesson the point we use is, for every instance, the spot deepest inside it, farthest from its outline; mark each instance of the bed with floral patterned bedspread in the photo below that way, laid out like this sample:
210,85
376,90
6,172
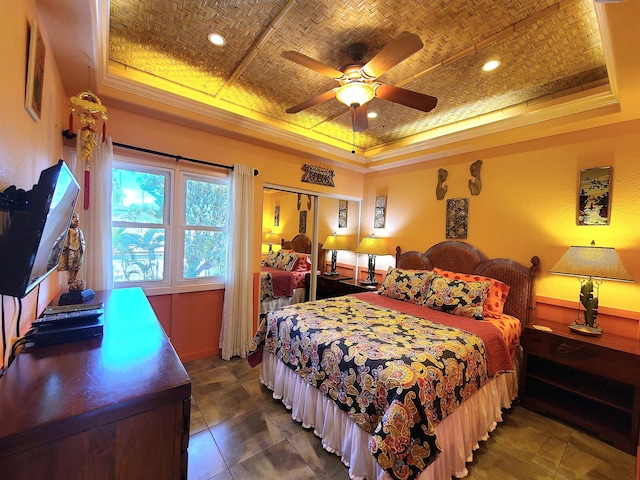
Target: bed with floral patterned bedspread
397,368
397,374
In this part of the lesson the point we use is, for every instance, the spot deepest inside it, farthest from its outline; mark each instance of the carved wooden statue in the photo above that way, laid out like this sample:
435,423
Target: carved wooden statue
475,184
441,190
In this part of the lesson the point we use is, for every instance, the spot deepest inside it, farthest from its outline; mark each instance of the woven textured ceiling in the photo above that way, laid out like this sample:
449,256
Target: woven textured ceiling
546,47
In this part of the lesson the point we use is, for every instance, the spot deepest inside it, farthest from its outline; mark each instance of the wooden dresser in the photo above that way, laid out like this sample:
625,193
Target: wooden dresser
113,407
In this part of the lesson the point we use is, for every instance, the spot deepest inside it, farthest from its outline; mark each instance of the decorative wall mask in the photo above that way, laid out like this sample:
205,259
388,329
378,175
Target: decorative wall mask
457,217
475,184
317,175
441,190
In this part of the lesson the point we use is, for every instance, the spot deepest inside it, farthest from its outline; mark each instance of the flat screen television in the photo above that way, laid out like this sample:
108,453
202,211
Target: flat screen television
33,229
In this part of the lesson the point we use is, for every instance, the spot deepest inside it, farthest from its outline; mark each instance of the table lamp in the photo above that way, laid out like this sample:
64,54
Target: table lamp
591,265
271,238
372,246
334,243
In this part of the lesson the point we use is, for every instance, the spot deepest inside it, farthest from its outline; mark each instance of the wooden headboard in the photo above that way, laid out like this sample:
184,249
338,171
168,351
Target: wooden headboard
301,243
457,256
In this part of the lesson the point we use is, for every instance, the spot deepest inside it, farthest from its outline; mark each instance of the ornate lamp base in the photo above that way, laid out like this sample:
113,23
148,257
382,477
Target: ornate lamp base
585,330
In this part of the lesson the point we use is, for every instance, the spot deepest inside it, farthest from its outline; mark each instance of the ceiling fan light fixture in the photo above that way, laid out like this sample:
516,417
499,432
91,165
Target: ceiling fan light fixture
217,39
356,94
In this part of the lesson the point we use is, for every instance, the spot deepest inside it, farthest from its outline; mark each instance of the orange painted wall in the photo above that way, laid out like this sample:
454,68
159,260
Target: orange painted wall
527,205
27,146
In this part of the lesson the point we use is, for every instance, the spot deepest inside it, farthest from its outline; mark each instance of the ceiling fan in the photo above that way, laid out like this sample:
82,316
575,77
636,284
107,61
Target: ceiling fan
357,81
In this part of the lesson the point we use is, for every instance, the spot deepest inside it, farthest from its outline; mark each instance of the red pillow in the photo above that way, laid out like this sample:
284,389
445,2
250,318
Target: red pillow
494,304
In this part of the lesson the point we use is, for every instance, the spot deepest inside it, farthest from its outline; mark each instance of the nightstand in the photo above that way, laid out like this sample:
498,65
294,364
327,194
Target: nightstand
592,382
335,286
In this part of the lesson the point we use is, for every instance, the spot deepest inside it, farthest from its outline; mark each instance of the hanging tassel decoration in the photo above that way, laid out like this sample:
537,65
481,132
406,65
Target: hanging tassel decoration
87,187
71,123
104,131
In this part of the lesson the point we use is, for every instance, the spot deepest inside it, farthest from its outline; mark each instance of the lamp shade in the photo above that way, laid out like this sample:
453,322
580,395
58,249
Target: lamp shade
271,237
591,261
373,246
336,242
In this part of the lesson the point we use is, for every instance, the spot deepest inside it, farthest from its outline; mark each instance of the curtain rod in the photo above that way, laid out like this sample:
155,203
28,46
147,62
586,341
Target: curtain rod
176,157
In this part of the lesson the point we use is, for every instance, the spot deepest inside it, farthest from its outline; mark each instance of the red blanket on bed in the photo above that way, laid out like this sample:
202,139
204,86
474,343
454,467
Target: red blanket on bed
281,280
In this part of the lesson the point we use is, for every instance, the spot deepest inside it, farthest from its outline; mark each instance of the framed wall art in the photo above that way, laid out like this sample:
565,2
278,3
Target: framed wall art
343,207
302,226
594,196
276,216
380,211
457,217
35,73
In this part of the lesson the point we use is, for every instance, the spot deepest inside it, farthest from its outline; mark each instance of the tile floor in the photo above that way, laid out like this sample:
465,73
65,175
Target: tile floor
239,432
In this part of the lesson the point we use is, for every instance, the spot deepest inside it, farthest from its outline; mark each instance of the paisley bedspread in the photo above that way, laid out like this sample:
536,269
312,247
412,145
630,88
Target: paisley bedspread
397,375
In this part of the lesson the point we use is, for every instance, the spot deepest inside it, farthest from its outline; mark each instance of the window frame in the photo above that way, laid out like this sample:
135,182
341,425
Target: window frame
175,222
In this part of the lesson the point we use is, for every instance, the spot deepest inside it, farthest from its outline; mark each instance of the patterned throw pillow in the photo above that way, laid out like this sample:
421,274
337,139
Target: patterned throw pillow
496,297
407,285
272,259
458,297
287,259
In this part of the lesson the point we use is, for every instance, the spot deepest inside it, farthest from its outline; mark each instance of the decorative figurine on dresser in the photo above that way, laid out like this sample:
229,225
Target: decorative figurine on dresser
70,261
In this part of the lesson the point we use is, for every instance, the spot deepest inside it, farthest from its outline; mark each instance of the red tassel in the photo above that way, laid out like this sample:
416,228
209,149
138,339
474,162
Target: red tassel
87,186
71,123
104,131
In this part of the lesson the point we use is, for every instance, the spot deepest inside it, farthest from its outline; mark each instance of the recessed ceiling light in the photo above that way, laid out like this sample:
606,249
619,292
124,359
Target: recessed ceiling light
217,39
491,65
372,114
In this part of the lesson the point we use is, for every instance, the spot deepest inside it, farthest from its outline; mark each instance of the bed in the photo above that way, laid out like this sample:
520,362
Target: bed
283,274
397,389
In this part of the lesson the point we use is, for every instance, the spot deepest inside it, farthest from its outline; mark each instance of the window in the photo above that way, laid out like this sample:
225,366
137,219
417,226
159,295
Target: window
168,233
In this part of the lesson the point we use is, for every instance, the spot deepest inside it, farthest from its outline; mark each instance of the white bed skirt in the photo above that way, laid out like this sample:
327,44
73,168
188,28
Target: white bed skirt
458,434
276,303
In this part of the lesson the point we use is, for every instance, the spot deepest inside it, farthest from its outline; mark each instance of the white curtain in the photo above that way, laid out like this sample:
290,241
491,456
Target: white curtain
97,269
237,312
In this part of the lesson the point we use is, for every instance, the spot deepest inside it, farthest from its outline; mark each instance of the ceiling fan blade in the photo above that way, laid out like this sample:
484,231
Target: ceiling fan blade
402,47
309,62
359,118
323,97
408,98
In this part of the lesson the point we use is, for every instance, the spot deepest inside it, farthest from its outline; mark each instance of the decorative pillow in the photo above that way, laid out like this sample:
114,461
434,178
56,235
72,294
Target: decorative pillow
407,285
496,297
303,264
287,259
271,259
458,297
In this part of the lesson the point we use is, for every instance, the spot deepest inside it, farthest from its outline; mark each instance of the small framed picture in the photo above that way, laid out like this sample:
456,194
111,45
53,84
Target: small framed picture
380,211
457,217
302,226
594,196
343,207
35,73
276,216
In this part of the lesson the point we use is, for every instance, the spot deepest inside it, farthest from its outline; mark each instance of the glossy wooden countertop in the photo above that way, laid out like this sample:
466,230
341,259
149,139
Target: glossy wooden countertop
58,390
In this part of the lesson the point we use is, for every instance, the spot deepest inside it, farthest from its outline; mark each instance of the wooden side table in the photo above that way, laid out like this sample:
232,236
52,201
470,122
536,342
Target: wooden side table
592,382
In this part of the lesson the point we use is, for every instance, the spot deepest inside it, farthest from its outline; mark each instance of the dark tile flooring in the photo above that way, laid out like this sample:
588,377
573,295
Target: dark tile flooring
239,432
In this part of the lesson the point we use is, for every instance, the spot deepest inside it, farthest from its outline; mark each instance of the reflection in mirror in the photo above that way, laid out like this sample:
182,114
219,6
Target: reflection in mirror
302,221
